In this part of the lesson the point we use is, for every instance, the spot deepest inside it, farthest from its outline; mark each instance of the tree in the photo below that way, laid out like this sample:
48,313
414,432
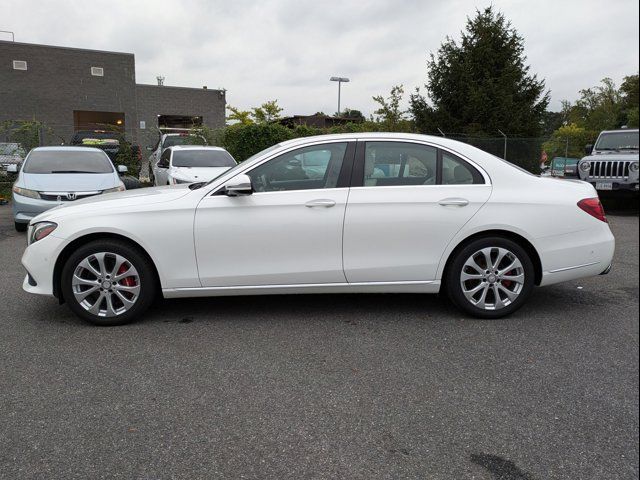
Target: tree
481,84
630,100
389,114
599,107
267,112
569,140
243,117
355,115
28,133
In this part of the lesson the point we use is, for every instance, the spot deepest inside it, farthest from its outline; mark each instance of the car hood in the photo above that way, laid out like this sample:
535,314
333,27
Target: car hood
113,201
69,182
197,174
615,157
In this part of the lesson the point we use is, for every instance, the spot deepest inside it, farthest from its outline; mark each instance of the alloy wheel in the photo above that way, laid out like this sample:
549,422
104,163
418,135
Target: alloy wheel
492,278
106,284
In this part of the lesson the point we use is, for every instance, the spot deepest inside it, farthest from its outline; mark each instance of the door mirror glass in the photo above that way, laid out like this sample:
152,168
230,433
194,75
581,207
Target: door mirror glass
238,185
122,169
13,168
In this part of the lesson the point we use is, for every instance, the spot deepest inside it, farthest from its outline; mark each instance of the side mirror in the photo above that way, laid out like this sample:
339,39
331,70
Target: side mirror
122,169
238,185
12,168
588,149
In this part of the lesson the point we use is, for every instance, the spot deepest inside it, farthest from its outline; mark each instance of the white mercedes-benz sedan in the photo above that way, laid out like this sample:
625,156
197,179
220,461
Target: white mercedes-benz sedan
376,212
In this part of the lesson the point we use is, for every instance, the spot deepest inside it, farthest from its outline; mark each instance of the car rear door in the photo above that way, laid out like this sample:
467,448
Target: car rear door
407,202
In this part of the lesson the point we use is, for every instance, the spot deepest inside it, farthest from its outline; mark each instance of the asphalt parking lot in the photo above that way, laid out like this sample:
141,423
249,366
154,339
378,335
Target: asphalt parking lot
359,386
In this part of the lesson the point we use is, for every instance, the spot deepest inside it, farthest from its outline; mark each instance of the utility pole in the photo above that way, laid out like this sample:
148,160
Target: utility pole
505,143
339,80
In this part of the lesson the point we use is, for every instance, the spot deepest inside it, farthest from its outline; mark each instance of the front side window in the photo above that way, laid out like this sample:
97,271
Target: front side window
202,158
67,161
397,163
307,168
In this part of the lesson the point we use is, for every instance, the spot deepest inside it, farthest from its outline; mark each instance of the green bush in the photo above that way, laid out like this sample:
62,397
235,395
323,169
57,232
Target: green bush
242,141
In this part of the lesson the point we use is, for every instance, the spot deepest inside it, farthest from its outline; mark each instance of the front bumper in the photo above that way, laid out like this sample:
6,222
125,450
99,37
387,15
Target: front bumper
39,260
616,185
25,208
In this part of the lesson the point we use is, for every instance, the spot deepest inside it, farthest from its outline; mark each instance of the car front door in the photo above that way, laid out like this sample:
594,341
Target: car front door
161,169
288,231
407,202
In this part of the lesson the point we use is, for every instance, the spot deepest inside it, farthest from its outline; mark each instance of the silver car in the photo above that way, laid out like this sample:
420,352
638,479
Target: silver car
51,176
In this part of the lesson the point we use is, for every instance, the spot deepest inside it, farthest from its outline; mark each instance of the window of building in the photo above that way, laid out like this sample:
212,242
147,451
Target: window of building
19,65
97,71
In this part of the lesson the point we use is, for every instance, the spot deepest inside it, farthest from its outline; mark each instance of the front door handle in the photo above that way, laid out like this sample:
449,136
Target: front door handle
321,202
454,202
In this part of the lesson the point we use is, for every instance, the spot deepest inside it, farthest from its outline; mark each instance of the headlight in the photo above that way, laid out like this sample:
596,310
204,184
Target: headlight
119,188
39,230
634,167
585,166
25,192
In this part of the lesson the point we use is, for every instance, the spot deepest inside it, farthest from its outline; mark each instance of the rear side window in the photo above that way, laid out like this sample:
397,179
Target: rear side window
396,163
456,171
400,163
67,161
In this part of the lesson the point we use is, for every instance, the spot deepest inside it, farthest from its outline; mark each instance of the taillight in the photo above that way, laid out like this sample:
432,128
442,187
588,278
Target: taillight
593,207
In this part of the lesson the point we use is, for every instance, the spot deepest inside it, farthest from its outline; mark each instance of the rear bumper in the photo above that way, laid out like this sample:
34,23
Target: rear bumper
576,255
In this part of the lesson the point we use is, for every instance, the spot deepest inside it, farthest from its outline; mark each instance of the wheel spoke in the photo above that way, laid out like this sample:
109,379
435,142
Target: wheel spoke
471,263
483,298
498,301
125,301
510,295
81,295
130,272
118,263
487,257
90,268
95,308
464,276
513,278
124,288
501,254
111,311
100,259
84,281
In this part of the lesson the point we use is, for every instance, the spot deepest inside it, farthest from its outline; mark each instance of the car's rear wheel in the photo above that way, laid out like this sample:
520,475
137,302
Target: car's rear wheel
490,277
108,282
21,227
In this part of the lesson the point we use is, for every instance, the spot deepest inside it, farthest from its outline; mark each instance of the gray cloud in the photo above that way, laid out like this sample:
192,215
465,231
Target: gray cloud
288,49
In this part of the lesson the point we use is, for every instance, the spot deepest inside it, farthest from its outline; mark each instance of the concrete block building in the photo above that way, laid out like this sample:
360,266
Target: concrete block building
71,89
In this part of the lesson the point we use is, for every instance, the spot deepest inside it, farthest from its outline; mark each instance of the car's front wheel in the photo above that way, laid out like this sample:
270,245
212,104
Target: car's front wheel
490,277
108,282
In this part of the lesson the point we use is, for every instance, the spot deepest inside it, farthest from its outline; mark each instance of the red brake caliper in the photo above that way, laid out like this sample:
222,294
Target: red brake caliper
127,281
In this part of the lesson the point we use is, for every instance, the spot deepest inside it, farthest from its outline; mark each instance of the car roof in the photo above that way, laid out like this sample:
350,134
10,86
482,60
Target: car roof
64,148
195,147
620,130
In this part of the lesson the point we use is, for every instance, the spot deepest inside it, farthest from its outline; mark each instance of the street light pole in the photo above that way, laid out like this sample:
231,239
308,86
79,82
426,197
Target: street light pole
505,143
339,80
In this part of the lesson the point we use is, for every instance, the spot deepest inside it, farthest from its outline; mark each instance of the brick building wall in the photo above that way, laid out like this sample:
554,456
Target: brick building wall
58,81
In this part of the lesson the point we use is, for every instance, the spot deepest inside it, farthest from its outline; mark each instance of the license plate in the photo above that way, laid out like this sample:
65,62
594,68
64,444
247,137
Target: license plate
604,185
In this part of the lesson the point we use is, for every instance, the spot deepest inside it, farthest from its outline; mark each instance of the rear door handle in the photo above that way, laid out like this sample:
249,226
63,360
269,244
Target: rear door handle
454,202
321,202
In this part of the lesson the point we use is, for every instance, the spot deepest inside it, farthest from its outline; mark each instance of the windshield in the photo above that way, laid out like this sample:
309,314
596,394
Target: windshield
173,140
259,154
618,141
202,158
66,161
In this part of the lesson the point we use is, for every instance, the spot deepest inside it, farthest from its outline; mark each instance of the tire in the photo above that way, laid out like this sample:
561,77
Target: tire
476,294
108,282
21,227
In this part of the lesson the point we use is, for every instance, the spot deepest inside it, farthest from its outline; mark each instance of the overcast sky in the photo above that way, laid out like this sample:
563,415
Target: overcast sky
288,49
